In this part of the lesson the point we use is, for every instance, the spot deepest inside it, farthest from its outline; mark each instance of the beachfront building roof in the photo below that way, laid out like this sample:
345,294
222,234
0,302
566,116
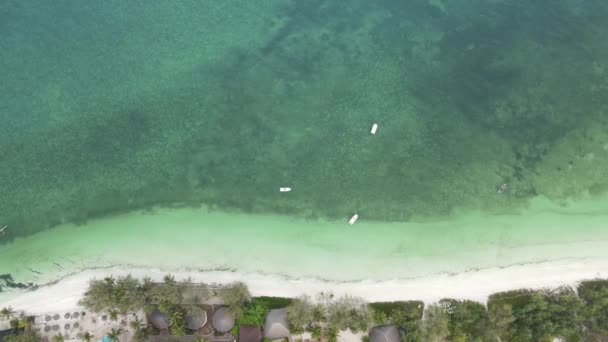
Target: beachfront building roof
276,325
384,333
223,320
249,333
159,320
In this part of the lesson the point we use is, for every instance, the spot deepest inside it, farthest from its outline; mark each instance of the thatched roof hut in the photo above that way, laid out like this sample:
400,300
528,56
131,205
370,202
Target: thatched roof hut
276,325
223,320
159,320
384,333
196,318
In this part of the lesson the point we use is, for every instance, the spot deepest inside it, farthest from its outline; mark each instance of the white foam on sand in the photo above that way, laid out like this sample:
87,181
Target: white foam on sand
474,285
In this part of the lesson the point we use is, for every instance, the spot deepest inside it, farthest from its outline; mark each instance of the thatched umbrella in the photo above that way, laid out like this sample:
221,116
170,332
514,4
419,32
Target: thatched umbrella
276,325
384,333
196,318
223,320
159,320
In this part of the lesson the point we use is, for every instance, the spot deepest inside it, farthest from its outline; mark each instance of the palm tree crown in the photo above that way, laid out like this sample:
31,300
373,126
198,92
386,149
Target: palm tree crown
137,323
115,334
7,312
87,336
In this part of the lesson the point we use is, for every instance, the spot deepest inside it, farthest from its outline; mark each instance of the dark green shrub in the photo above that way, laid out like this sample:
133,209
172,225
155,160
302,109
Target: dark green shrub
406,315
236,296
594,294
348,312
274,302
123,294
300,314
467,320
536,315
255,313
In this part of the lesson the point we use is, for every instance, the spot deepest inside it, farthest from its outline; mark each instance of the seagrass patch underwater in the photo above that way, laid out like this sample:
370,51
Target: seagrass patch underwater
109,107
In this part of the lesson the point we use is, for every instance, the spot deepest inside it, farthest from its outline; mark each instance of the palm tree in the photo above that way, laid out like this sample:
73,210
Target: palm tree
115,334
141,335
7,312
58,338
25,322
136,324
177,323
113,314
14,324
110,281
318,314
169,279
87,336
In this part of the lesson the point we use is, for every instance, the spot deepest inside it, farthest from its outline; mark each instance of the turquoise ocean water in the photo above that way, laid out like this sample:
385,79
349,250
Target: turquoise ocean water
110,107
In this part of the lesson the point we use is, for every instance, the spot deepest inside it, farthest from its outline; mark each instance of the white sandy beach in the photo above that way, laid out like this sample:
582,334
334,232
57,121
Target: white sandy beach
475,285
467,257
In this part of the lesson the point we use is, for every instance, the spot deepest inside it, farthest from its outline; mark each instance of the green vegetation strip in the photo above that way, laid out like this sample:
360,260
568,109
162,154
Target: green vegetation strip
521,315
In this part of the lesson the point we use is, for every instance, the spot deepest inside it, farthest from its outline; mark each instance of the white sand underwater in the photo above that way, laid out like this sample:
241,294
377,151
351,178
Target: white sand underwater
469,256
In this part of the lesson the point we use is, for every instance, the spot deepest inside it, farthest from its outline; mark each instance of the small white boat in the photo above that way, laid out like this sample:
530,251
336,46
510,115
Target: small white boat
502,188
353,219
374,128
3,230
285,189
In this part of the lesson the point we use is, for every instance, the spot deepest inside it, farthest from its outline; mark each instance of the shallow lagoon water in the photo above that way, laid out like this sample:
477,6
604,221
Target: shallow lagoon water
114,114
187,240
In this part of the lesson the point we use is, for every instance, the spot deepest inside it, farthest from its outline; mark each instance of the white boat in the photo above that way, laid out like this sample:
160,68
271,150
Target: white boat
285,189
374,128
502,188
353,219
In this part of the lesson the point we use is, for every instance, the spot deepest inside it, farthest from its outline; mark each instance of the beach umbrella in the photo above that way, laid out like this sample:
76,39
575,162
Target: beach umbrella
159,320
384,333
223,320
276,325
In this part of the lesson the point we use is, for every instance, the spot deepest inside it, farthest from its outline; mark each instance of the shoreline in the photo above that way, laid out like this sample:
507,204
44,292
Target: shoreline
470,257
477,285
